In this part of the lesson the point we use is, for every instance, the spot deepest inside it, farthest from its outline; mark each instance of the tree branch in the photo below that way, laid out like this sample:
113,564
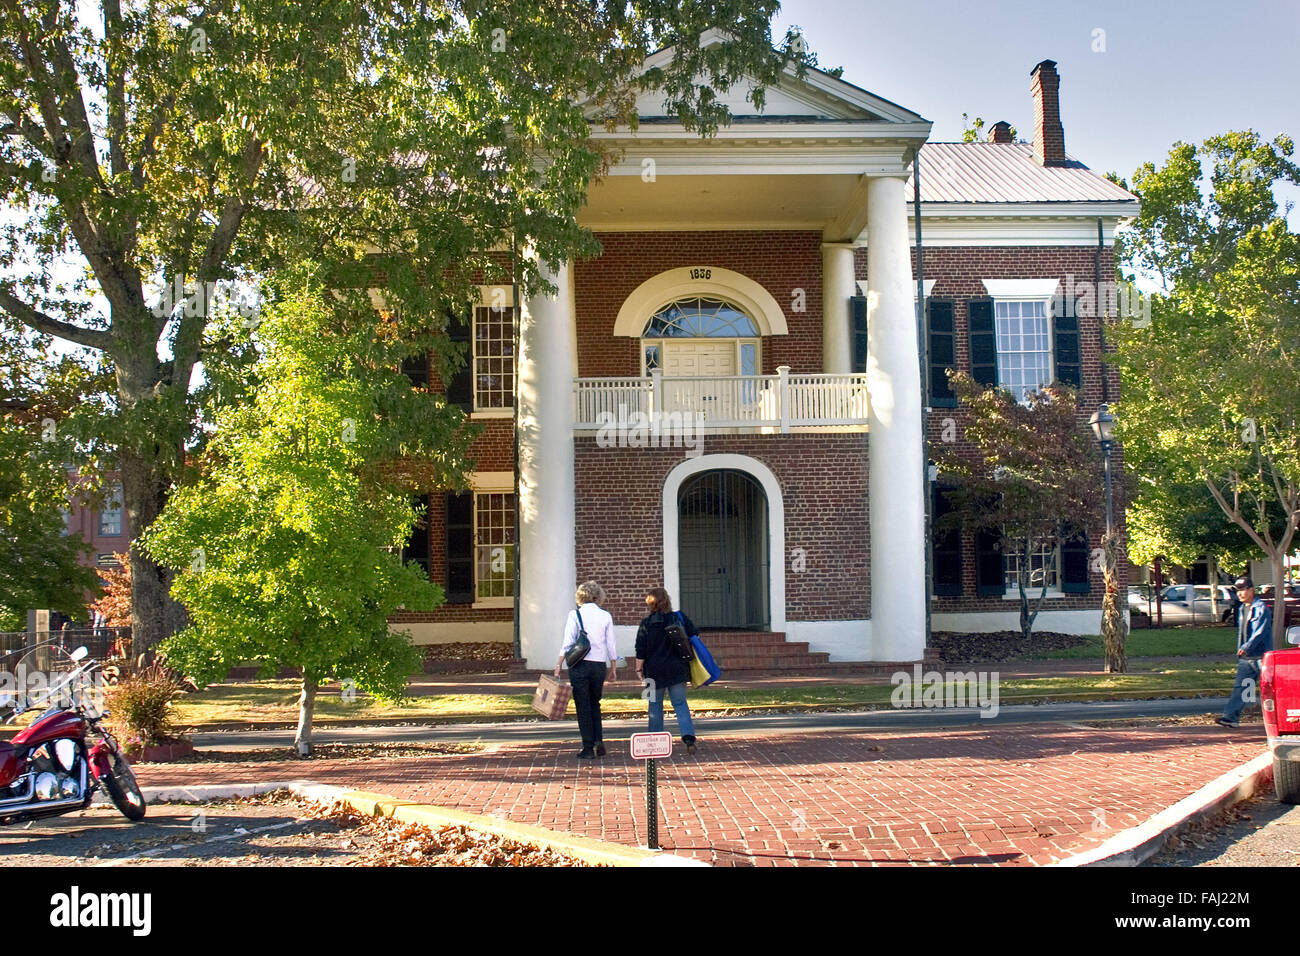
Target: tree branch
1235,517
91,338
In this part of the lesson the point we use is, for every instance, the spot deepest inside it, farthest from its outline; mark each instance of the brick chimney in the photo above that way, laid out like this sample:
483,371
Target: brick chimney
1049,137
1000,132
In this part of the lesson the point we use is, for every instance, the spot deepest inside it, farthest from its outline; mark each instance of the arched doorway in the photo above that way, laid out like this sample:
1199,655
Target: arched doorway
723,550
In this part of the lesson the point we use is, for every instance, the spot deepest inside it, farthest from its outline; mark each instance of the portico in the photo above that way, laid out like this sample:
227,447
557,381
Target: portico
748,355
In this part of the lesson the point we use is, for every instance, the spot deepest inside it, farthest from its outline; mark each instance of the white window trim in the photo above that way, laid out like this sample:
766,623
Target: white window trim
1025,290
504,295
1012,593
757,343
114,495
489,483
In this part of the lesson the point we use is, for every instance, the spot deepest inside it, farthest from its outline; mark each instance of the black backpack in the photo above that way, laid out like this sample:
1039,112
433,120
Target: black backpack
678,639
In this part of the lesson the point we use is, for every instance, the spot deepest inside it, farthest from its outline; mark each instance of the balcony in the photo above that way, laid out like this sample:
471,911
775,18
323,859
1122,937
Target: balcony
766,404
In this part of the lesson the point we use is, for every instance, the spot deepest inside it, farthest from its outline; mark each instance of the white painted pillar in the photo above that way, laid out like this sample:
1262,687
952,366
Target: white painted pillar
896,481
838,286
547,567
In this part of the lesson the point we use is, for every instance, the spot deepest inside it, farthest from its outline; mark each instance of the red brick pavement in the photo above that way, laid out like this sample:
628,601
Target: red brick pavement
1024,795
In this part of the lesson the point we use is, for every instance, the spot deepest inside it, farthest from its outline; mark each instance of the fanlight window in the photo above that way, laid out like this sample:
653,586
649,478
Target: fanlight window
700,318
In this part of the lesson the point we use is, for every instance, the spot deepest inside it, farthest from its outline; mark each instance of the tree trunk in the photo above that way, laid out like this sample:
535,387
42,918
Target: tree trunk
1114,629
306,703
1278,559
1212,573
145,460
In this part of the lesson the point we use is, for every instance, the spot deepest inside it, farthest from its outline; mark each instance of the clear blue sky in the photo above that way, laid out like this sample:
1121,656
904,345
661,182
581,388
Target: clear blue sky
1170,71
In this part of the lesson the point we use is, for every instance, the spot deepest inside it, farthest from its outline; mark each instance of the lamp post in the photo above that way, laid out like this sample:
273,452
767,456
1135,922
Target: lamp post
1103,427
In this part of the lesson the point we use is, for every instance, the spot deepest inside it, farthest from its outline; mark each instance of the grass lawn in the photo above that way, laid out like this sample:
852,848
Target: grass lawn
275,702
1191,641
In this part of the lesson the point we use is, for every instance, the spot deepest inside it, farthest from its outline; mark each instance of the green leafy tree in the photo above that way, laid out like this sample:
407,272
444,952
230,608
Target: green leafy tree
175,153
286,550
973,131
40,564
1031,479
1209,385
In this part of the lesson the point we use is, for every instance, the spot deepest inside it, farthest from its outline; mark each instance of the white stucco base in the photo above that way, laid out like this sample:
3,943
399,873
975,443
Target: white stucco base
456,631
842,640
1063,622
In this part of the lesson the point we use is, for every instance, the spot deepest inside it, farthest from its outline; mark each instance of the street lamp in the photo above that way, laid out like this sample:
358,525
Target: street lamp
1103,426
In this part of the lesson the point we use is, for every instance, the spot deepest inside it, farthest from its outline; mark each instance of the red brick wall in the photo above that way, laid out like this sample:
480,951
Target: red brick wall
823,481
959,272
779,261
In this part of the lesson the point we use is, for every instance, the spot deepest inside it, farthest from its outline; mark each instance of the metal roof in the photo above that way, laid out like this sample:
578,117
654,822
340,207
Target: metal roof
1007,173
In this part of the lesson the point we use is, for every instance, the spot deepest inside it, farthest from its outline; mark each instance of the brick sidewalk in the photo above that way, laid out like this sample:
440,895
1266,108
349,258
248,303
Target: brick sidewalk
1025,795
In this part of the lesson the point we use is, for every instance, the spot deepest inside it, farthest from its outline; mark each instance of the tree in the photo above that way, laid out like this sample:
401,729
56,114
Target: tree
286,550
1210,385
973,132
176,154
1031,481
40,563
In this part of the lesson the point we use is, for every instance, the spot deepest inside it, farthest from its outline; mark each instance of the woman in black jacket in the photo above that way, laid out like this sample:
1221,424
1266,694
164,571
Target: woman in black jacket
661,667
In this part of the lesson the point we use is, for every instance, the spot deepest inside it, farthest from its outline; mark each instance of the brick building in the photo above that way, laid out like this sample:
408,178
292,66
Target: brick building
728,401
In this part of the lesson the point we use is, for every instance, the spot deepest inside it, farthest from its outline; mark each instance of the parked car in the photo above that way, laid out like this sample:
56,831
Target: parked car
1291,601
1181,604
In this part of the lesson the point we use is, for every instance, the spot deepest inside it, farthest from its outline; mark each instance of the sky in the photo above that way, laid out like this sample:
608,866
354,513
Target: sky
1166,71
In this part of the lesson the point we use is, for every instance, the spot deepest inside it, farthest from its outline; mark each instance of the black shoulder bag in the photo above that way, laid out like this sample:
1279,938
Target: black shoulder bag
582,646
678,639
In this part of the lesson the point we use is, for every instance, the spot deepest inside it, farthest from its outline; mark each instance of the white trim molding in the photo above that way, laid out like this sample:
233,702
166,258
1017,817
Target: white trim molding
775,525
1021,288
653,294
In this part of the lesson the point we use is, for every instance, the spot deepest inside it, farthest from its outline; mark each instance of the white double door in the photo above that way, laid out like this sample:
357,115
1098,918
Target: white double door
709,360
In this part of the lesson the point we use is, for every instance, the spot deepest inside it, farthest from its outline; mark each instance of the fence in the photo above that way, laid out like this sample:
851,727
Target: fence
102,643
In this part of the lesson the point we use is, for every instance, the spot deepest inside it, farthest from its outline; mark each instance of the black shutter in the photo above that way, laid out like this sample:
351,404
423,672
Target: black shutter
460,390
990,577
416,550
983,342
946,546
943,352
859,333
1074,564
416,368
460,547
1069,365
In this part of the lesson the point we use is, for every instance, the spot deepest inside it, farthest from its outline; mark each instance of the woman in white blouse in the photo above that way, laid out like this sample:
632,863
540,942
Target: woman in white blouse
588,675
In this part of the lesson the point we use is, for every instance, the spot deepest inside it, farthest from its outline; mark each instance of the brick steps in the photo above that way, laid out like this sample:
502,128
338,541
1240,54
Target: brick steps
743,654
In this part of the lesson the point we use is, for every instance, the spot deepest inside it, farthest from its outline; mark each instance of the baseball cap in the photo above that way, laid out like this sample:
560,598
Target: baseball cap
1243,582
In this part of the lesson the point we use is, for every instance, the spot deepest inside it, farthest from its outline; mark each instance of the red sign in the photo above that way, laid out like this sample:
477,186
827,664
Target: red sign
651,746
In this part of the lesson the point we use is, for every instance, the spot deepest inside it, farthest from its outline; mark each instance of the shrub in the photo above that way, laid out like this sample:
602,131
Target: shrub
142,706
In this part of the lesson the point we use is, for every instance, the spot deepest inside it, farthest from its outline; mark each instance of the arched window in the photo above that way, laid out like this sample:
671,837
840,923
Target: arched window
700,318
731,346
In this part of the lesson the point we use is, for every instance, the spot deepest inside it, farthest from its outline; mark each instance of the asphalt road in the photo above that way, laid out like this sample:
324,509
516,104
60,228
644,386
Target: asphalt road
1261,831
913,719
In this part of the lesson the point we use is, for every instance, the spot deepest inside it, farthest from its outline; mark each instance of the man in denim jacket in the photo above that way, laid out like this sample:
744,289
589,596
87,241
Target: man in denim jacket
1254,639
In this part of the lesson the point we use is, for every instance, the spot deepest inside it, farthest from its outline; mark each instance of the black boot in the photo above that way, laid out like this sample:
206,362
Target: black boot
689,741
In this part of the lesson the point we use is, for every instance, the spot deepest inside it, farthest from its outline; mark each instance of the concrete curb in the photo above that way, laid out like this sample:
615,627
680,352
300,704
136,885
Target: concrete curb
408,811
1134,846
201,793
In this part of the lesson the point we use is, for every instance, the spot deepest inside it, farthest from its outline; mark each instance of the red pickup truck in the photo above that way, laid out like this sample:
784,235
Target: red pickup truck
1279,695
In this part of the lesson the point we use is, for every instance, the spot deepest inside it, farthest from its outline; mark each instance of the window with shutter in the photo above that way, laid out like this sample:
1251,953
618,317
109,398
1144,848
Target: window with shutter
946,545
859,333
460,390
988,564
983,342
1065,343
460,547
416,550
943,351
1074,564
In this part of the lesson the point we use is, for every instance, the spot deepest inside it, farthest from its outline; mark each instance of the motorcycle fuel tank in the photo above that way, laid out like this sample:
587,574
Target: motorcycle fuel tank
52,726
10,765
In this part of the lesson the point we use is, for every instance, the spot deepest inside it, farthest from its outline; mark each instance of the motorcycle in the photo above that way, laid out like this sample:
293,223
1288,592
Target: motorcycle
50,767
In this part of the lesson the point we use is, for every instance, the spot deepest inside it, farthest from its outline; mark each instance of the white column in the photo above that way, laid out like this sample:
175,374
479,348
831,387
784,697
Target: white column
546,482
838,286
896,481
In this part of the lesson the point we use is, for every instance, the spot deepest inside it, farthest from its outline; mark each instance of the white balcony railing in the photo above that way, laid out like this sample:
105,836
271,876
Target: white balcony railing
769,403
